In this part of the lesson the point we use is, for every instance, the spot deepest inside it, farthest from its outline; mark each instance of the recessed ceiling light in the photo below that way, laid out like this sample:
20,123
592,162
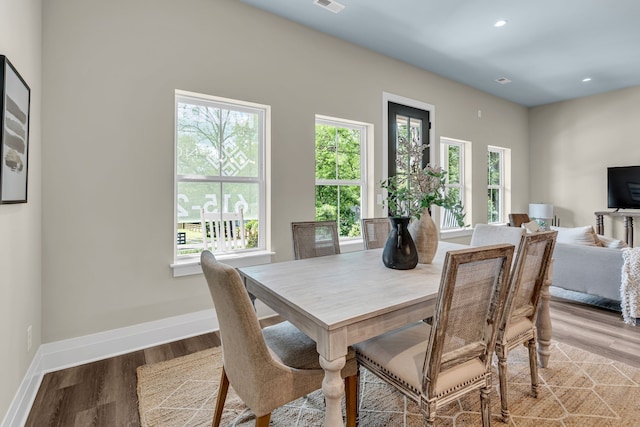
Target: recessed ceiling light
503,80
330,5
586,79
500,23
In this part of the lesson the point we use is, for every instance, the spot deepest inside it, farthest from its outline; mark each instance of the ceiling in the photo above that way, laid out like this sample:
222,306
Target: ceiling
546,48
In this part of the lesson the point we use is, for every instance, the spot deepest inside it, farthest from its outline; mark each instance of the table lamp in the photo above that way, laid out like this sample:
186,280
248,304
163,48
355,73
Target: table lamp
541,212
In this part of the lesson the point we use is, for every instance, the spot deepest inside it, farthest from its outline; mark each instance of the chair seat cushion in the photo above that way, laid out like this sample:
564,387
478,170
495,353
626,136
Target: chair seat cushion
402,354
293,348
517,327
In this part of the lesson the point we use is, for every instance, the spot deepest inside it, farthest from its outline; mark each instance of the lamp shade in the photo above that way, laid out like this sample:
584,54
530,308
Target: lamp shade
540,210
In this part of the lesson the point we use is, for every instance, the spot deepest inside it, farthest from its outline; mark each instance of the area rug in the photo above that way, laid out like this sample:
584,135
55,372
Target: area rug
577,389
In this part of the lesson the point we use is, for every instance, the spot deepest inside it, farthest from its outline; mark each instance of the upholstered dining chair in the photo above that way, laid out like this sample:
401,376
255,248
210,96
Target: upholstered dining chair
375,232
486,234
517,219
518,325
267,368
315,238
436,364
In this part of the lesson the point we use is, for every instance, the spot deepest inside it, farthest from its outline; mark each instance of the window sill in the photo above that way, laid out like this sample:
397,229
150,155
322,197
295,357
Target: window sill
191,266
351,245
452,234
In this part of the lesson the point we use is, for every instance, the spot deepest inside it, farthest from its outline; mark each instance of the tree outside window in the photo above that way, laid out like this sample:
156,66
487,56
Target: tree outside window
495,185
219,166
340,182
453,161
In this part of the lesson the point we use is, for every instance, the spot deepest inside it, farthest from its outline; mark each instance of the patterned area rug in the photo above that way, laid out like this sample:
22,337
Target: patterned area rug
577,389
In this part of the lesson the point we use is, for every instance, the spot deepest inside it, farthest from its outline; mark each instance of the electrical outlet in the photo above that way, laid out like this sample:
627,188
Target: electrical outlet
29,338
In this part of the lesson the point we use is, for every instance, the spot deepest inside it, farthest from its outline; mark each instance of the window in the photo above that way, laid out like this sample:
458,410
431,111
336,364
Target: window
496,193
452,158
341,190
220,168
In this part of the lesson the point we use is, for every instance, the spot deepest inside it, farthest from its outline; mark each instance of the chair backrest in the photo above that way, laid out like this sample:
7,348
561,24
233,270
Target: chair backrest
527,277
517,219
375,232
244,350
315,238
473,289
485,234
225,231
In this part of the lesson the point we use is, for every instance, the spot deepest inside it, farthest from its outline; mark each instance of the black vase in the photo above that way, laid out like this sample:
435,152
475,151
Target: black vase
399,251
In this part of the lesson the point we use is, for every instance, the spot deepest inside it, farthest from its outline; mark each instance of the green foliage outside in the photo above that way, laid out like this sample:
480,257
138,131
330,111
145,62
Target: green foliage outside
217,163
494,178
338,166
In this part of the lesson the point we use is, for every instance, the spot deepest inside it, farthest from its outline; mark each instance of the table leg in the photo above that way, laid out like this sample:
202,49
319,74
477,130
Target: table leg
599,224
333,389
543,322
628,230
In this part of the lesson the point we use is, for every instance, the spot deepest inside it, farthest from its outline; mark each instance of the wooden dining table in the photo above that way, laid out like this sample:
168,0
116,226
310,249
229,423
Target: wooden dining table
340,300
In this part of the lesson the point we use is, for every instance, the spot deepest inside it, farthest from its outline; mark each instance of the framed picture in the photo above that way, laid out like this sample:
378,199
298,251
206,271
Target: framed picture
14,134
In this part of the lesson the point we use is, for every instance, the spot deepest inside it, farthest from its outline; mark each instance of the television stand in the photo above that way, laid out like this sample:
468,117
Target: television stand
628,223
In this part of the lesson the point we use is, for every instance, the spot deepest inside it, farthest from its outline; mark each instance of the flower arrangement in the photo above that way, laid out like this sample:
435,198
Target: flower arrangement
415,188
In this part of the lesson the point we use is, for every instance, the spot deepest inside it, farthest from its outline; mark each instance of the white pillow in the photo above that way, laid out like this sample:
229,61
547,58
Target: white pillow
577,236
531,226
609,242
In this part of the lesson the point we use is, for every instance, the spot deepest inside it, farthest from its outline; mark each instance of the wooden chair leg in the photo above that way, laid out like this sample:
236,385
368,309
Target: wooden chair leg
485,406
351,399
428,410
502,376
222,396
263,421
533,366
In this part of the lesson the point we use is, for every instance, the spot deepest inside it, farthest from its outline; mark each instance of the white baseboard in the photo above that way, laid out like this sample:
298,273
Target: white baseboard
89,348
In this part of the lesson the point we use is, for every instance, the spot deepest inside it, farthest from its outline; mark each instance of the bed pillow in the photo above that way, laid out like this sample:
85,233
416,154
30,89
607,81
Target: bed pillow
585,236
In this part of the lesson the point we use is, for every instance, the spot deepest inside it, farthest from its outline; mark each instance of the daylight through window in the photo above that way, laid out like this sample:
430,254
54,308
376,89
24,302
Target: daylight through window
496,194
453,161
340,173
220,184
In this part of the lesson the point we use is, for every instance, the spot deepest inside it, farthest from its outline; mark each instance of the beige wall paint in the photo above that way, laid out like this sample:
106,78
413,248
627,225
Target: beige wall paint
110,71
573,143
20,252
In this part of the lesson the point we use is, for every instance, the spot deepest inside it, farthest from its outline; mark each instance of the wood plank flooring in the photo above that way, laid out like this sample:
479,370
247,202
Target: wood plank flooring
103,393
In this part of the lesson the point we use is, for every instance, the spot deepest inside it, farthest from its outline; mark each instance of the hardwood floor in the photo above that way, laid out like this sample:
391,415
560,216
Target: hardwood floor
103,393
596,330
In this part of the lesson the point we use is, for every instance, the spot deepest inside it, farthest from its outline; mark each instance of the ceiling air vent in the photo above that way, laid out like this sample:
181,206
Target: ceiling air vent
503,80
330,5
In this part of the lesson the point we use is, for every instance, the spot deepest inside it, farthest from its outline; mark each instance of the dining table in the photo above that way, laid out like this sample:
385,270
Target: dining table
339,300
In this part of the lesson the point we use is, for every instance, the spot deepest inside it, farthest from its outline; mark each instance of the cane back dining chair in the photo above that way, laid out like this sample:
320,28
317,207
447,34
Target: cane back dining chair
436,364
375,232
267,368
315,238
518,325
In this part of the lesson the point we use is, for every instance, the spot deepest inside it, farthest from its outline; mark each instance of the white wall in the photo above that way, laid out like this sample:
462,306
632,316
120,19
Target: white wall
573,143
20,224
110,70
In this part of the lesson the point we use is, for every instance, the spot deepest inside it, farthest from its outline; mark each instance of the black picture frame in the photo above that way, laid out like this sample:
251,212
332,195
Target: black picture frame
15,100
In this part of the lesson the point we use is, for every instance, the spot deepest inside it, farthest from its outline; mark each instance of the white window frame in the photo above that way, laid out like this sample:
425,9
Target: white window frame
366,140
465,184
187,265
500,187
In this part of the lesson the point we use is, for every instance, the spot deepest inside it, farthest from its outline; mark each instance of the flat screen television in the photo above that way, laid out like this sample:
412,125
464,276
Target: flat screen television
623,187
